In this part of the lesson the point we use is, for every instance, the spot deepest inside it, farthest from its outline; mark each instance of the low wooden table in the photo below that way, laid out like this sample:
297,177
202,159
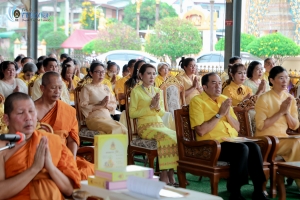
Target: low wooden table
288,169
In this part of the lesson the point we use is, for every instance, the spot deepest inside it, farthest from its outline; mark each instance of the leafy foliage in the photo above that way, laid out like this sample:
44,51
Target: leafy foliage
47,27
173,40
274,45
246,39
147,13
88,14
116,36
54,40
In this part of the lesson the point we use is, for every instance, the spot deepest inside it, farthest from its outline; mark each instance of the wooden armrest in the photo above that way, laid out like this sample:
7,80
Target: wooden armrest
265,144
206,152
87,153
275,146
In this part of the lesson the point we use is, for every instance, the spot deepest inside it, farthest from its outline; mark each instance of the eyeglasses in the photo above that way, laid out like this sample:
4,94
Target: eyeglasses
99,72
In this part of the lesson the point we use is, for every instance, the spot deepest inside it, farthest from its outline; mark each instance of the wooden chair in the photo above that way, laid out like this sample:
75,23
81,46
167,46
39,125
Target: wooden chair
84,152
174,94
45,127
84,133
201,157
137,144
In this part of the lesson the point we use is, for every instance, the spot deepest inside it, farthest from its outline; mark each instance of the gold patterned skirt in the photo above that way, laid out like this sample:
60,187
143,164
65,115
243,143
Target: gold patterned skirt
166,143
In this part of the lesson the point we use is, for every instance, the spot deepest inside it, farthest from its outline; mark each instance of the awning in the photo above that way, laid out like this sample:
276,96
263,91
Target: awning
79,38
7,34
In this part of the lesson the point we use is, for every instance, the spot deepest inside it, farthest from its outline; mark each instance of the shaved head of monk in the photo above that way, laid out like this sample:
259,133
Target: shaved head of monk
51,86
20,113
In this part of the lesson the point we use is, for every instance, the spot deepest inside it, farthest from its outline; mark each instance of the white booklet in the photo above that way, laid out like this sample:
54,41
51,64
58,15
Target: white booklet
238,139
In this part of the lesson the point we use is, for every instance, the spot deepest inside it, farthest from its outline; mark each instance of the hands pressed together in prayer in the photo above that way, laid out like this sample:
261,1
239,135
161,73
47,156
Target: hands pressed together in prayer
17,89
43,157
70,85
225,107
196,85
262,86
104,102
113,79
285,106
155,102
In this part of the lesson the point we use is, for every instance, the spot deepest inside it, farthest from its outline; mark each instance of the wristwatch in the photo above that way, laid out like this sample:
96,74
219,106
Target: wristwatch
218,116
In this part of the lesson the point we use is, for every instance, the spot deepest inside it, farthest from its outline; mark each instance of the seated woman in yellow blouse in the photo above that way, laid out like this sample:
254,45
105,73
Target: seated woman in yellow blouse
69,77
276,111
190,81
163,73
147,105
98,103
28,74
234,88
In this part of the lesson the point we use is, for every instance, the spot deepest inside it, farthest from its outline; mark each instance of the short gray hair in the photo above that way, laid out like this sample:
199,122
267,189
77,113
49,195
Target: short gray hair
30,67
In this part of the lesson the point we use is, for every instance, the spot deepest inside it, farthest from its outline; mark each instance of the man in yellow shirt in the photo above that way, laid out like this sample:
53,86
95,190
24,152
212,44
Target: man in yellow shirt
269,63
212,117
120,85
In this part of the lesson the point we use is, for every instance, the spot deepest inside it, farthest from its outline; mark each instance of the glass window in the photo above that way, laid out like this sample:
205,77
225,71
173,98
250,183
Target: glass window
216,58
122,57
203,59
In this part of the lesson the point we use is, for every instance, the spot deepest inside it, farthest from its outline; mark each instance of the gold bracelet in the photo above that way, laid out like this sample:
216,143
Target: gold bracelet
157,109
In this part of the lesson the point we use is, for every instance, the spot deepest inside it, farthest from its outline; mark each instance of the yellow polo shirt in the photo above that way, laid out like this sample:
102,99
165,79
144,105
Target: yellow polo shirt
158,80
202,109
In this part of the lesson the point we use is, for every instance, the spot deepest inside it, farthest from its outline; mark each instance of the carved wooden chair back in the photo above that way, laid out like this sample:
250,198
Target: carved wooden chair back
245,113
174,94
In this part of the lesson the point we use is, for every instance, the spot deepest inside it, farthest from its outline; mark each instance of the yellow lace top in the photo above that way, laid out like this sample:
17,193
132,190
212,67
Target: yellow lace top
236,92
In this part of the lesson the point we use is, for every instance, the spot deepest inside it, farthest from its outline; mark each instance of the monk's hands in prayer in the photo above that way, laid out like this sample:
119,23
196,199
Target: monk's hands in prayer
39,157
17,89
285,105
48,159
225,107
247,96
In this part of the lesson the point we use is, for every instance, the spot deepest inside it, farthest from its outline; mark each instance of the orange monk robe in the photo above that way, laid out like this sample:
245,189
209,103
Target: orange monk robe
62,118
42,186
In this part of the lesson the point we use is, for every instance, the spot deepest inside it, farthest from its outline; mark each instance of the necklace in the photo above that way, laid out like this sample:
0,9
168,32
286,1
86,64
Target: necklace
152,94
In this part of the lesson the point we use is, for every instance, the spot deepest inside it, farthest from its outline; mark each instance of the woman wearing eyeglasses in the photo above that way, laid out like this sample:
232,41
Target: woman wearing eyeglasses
69,77
98,103
234,87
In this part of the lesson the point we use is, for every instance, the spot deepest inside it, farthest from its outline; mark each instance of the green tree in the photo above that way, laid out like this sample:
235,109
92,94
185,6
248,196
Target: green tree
274,45
88,14
174,41
116,36
246,39
54,40
147,13
45,28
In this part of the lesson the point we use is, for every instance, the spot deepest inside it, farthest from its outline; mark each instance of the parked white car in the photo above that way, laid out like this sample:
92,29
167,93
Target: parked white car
121,57
215,59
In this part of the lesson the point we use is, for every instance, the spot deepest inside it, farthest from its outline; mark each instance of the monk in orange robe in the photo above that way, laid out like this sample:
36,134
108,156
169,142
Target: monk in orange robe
62,118
39,167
